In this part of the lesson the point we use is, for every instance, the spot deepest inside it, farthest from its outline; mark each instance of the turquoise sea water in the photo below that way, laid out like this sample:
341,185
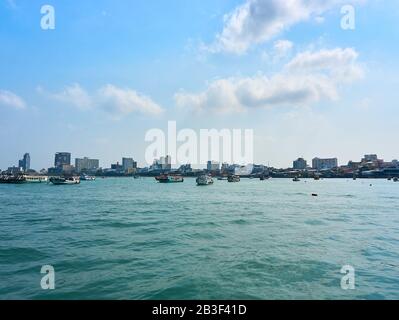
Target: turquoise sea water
137,239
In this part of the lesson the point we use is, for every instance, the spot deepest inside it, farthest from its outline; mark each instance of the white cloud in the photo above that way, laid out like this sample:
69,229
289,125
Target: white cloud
282,48
125,101
339,63
73,95
308,78
258,21
10,99
109,98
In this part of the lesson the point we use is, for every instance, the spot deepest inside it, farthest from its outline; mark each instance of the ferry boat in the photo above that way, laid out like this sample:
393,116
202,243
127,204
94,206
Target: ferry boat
204,180
64,181
233,178
36,179
12,179
86,177
169,178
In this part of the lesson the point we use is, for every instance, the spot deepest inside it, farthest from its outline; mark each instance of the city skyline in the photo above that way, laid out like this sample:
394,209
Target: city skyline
105,76
62,159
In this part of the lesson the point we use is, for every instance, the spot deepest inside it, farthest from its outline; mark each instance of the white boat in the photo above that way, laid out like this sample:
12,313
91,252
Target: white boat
36,179
86,177
64,181
204,180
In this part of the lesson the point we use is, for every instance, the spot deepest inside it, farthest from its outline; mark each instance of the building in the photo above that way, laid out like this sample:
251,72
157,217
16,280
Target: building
324,164
300,164
370,158
24,164
128,164
86,165
62,158
116,167
213,166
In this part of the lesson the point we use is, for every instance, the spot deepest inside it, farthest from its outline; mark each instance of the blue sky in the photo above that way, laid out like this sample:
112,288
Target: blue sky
111,70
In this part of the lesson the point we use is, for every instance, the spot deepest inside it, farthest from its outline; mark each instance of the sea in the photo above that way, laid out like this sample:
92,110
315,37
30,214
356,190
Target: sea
125,238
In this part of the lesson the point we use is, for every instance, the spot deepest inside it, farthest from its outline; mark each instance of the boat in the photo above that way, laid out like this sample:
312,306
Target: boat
85,177
169,178
36,179
316,178
396,179
204,180
389,179
233,178
263,178
64,181
296,179
12,179
222,178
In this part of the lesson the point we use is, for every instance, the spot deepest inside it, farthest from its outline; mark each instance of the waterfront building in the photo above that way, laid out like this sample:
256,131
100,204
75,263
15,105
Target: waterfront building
24,164
128,164
62,158
324,164
14,170
213,166
370,158
300,164
87,165
116,167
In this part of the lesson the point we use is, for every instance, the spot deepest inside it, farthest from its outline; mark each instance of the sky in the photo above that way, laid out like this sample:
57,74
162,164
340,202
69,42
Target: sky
112,70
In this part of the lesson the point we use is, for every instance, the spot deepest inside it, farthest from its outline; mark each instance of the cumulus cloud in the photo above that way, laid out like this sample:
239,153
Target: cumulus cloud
73,95
125,101
308,78
10,99
258,21
110,98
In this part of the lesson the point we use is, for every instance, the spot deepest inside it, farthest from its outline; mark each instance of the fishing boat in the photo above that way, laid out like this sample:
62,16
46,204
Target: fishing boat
85,177
233,178
169,178
64,181
204,180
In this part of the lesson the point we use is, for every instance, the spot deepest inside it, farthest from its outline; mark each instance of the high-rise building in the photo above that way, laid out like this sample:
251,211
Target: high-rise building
128,164
86,164
25,162
62,158
324,164
300,164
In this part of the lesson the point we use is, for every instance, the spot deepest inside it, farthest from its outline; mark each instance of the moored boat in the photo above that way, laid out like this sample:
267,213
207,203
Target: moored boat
233,178
64,181
169,178
36,179
204,180
86,177
12,179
